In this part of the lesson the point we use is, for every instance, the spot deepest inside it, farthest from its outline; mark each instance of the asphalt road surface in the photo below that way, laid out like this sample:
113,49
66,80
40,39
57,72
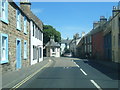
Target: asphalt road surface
73,73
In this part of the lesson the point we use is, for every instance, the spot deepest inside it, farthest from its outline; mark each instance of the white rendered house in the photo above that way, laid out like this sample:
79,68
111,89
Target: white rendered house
36,43
52,48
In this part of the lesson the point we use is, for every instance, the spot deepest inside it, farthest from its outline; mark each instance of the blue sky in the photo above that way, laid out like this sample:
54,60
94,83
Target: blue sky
72,17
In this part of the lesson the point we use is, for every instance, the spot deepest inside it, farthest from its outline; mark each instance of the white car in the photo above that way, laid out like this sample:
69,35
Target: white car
68,55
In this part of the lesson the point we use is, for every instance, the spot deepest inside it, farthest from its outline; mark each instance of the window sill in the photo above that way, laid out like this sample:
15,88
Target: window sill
5,21
3,62
25,58
19,29
25,33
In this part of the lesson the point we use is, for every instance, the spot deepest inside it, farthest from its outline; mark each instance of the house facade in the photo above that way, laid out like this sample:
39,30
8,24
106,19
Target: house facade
36,34
73,44
64,45
80,48
116,34
14,37
108,41
88,45
105,39
98,39
21,37
52,48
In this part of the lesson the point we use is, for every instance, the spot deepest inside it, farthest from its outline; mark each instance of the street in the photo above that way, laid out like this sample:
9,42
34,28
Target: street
73,73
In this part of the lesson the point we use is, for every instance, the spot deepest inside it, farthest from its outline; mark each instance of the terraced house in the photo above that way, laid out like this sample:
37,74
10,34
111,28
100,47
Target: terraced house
16,36
116,34
36,33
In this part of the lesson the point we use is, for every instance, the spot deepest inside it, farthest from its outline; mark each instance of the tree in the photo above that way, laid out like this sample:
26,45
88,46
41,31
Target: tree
49,31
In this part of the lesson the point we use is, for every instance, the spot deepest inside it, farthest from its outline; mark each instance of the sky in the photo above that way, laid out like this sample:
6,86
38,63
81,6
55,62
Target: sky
72,17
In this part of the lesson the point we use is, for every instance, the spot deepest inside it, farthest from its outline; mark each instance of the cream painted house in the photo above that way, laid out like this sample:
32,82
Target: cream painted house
52,48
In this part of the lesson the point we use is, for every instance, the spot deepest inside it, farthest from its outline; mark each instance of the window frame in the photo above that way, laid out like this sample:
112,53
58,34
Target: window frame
18,19
25,50
5,18
6,53
25,25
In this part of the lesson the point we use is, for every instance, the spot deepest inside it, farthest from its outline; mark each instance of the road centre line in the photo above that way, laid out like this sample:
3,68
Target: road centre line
77,65
27,78
83,71
96,85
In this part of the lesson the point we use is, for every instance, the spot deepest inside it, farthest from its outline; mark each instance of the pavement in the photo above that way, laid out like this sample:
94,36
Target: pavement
73,73
11,78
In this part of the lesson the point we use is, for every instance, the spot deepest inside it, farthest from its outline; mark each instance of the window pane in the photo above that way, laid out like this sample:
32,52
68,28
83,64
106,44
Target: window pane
4,42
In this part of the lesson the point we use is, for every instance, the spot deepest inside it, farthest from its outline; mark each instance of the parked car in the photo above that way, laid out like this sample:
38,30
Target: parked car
67,55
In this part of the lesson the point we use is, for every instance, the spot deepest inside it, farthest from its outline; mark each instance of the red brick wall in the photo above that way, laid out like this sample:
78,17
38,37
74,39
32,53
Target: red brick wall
98,45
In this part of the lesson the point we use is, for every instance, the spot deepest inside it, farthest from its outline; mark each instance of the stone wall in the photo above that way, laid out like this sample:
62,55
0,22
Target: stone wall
115,35
13,34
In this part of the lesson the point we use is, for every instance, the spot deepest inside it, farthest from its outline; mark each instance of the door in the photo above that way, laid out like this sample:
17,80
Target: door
18,54
38,55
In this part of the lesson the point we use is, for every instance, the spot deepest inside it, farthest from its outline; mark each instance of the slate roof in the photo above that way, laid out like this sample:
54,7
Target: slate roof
29,14
52,43
65,41
34,18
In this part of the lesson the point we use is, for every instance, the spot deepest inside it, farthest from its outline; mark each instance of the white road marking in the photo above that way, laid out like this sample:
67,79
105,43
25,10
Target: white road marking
96,85
77,65
83,72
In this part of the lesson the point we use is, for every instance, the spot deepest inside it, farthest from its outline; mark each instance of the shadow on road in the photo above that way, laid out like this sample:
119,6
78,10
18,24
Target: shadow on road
113,73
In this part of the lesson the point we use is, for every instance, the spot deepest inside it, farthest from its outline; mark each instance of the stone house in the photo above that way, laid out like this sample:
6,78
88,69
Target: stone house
36,33
88,45
52,48
116,34
107,40
14,37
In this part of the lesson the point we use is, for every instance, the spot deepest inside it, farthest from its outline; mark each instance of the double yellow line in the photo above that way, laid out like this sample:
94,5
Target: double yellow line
27,78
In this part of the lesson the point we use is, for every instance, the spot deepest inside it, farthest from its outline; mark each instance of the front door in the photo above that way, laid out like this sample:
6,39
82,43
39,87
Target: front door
18,54
37,54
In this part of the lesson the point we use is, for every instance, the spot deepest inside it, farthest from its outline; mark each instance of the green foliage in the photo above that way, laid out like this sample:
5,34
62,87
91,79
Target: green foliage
49,31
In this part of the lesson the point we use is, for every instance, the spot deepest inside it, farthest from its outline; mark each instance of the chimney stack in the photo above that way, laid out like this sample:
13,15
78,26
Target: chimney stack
83,34
103,20
116,10
95,24
25,5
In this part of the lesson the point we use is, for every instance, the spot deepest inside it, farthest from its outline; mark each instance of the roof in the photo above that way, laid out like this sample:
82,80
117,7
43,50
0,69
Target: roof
65,41
29,15
12,3
34,18
52,43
